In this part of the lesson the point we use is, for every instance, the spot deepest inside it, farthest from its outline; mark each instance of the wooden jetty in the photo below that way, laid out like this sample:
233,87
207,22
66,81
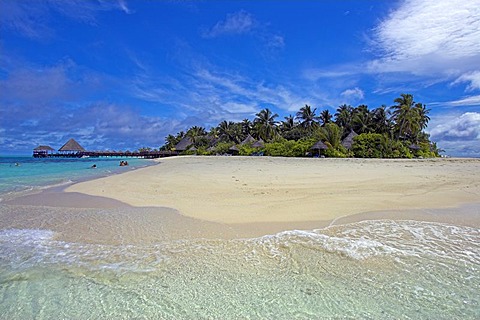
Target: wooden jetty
72,149
98,154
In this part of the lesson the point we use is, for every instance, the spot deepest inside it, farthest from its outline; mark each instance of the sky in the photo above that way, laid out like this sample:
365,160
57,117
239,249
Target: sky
123,74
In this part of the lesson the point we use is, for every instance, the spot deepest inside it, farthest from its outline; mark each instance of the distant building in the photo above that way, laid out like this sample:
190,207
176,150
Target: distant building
42,151
71,146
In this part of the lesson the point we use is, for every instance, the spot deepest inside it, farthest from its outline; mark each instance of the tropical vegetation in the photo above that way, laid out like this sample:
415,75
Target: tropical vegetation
384,132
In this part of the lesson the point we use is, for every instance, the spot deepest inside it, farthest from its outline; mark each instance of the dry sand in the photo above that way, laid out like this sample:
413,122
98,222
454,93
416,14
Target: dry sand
261,191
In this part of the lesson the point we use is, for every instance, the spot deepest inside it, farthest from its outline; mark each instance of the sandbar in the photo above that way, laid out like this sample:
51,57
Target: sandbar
256,191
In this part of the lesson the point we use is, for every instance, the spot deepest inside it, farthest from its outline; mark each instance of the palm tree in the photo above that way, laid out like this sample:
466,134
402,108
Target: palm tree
196,131
362,119
381,120
171,141
410,117
265,124
246,127
325,117
344,117
331,134
229,131
308,118
422,114
288,123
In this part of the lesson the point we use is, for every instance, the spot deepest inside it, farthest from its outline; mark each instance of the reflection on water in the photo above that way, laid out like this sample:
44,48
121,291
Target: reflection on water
371,269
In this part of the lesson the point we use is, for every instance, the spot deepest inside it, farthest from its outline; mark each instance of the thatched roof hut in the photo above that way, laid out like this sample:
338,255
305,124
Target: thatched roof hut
233,150
184,144
72,146
248,139
348,141
414,147
319,146
259,144
42,151
44,148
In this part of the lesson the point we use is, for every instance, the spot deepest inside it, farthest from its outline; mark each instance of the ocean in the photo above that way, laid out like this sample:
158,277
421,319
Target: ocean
136,269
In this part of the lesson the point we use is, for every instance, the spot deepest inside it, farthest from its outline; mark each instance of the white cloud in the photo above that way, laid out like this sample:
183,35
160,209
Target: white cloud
430,37
355,94
464,102
235,23
472,77
458,134
424,27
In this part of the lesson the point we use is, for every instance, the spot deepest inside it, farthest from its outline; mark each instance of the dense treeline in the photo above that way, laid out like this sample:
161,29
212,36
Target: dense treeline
385,132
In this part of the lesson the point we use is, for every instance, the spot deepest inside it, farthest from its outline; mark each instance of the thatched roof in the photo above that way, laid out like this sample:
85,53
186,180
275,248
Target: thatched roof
184,144
259,144
248,139
414,147
192,148
348,141
319,146
234,149
71,145
44,148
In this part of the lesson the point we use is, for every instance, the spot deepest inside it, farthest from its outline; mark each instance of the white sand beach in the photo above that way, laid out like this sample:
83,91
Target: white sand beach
256,190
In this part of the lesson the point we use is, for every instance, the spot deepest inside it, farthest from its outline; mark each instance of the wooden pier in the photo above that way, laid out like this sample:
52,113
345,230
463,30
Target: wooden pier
72,149
98,154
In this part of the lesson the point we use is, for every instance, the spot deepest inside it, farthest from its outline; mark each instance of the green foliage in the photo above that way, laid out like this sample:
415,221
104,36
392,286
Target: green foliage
247,149
222,147
330,133
289,148
336,153
369,145
375,145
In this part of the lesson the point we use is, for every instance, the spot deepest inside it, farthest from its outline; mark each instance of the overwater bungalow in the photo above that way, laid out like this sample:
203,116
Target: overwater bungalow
71,147
42,151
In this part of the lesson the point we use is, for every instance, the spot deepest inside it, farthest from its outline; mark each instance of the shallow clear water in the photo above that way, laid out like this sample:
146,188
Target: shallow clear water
27,173
367,270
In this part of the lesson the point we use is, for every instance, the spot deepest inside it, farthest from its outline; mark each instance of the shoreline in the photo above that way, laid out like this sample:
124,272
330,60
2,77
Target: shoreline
191,174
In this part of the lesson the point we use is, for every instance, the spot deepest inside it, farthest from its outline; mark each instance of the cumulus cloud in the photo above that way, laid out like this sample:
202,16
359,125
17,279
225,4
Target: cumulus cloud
466,126
431,37
353,94
458,134
235,23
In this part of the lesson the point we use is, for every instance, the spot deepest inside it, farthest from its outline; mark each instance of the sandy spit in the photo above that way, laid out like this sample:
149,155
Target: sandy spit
264,189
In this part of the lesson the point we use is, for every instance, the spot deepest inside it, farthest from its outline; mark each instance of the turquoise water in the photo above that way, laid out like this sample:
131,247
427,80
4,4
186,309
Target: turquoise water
134,264
27,173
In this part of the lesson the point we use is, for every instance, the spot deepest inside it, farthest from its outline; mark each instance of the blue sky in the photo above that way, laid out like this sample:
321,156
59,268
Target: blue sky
124,74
